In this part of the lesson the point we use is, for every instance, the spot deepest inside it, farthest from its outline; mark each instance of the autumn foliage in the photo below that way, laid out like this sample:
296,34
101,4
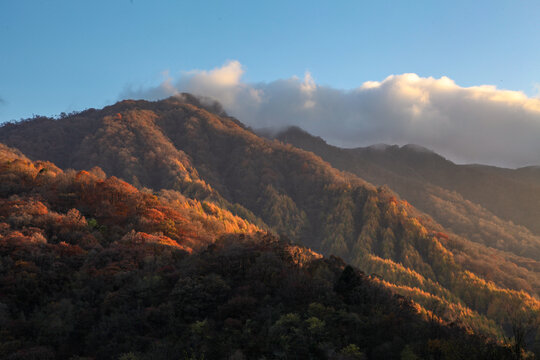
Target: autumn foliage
197,174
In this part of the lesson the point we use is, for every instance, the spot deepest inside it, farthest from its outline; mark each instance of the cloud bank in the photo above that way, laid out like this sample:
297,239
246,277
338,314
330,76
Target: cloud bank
478,124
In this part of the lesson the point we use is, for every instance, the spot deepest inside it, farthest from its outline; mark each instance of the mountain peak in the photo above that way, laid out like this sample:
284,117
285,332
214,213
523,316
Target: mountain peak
418,149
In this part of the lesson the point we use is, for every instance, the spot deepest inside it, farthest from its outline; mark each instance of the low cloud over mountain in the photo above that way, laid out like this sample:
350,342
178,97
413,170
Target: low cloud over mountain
480,124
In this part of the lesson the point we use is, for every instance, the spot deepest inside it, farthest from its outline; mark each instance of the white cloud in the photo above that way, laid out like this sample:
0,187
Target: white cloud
479,124
308,86
227,75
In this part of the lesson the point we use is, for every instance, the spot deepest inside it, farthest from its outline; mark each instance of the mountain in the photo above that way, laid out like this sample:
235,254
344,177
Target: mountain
93,268
184,145
493,206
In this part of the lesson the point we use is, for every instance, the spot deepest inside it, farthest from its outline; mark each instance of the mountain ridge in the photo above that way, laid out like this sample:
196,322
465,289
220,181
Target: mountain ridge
396,168
215,158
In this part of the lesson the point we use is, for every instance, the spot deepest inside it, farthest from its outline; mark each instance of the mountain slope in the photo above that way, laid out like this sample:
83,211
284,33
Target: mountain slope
124,141
39,192
214,158
512,195
83,277
451,194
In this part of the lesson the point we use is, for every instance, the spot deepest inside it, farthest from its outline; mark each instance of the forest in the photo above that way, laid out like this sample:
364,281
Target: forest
183,179
498,207
128,283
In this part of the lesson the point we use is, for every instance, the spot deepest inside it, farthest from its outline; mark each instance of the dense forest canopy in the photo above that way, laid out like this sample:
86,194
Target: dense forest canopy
94,268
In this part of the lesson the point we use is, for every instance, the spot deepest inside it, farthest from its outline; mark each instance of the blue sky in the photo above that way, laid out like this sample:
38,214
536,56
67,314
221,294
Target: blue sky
69,55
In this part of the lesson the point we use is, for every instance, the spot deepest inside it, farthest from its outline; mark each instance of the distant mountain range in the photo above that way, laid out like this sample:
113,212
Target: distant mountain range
435,234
